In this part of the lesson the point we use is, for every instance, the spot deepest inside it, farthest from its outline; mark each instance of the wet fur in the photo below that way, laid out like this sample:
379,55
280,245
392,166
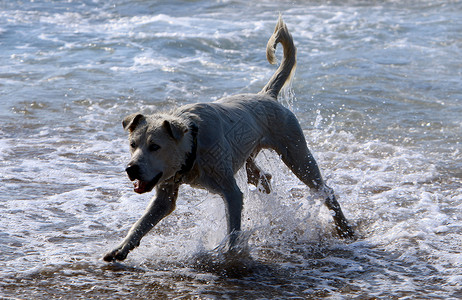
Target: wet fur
230,133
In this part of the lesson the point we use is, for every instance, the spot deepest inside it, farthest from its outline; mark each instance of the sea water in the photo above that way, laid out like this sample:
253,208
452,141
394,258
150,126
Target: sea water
378,94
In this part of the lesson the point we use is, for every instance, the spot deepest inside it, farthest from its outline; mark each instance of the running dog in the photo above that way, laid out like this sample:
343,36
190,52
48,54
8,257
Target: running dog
205,144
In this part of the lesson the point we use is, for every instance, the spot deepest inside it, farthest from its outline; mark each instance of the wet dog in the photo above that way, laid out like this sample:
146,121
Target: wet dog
205,144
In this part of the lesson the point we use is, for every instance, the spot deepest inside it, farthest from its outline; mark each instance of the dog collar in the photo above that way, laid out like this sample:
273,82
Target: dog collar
191,156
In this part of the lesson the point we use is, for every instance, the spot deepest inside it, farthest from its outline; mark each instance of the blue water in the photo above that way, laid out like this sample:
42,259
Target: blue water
377,91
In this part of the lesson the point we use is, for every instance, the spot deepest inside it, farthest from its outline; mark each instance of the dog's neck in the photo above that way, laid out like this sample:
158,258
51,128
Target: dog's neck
190,156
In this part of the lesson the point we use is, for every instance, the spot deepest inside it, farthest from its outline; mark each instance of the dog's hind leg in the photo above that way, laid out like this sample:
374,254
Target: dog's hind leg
297,157
302,163
257,177
341,223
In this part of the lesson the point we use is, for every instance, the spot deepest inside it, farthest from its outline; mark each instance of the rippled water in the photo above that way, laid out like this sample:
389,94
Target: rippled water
377,90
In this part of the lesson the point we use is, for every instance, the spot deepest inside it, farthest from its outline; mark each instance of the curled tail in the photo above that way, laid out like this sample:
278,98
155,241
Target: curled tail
287,67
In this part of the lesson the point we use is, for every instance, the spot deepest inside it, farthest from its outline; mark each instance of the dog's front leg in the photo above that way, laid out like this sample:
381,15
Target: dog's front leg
161,206
233,202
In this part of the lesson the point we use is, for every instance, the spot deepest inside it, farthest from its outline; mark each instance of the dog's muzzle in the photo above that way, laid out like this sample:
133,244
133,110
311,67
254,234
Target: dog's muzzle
133,171
141,186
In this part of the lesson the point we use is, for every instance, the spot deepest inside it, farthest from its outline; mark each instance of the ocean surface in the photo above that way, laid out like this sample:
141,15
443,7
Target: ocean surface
378,93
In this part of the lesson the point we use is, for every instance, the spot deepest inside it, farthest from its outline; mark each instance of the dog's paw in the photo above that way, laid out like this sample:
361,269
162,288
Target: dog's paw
346,231
265,183
116,254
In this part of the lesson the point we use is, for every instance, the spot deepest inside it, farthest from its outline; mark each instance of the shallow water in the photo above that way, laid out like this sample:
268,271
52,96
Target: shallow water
377,91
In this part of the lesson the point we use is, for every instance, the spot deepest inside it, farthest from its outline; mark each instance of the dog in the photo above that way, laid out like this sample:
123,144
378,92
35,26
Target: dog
205,144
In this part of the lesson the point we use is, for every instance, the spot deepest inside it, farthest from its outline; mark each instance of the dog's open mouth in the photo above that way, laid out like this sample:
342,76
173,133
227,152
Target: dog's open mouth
141,186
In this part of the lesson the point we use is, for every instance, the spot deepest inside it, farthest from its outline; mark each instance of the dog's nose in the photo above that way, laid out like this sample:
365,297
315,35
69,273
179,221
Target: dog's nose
132,171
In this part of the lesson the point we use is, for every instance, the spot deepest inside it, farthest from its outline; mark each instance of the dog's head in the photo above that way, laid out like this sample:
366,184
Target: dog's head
158,146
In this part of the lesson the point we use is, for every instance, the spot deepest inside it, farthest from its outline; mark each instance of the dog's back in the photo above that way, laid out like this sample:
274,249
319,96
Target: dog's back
247,123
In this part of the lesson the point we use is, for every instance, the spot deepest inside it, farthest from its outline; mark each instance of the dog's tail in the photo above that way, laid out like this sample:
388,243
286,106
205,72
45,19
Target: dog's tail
287,67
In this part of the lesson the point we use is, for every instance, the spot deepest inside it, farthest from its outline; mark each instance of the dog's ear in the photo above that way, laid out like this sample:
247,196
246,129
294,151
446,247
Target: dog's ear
130,122
175,129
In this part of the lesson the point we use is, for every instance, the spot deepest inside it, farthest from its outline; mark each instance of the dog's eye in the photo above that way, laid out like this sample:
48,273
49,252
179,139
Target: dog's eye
154,147
133,145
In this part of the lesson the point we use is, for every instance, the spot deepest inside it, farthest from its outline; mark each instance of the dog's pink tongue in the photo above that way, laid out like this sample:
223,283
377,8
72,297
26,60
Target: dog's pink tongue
139,186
